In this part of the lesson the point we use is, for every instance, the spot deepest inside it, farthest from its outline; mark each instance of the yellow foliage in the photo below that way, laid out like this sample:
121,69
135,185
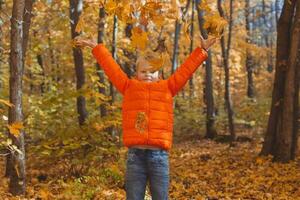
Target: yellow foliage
215,25
203,5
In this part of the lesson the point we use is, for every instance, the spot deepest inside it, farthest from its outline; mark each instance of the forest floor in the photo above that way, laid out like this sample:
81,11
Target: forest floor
200,169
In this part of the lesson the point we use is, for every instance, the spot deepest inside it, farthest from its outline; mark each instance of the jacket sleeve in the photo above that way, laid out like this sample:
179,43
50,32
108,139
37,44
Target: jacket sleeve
179,78
113,71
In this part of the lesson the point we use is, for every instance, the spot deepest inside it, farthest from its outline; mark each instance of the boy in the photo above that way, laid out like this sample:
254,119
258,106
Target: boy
147,113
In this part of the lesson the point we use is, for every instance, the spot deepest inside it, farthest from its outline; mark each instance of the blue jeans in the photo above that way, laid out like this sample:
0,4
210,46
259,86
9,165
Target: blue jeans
144,165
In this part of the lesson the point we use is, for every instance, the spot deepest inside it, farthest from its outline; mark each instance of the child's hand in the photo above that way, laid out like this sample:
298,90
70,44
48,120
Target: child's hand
206,44
80,42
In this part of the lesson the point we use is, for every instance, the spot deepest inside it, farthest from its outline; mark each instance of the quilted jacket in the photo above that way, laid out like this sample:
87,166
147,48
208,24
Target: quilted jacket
147,107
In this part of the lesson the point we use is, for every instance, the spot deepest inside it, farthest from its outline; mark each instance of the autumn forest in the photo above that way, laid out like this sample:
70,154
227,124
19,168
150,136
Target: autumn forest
235,127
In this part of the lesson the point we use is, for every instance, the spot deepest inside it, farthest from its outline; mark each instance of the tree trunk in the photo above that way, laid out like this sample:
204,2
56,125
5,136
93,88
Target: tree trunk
114,54
208,94
130,55
16,167
288,129
111,129
75,11
102,90
225,53
266,32
281,134
191,82
175,47
249,67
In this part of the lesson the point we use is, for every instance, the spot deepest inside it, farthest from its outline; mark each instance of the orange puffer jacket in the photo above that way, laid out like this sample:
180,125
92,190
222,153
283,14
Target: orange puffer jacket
147,108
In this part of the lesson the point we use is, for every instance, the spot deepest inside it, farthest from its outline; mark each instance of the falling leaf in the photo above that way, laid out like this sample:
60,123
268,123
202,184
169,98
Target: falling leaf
203,5
139,38
15,128
186,27
157,63
79,26
6,102
111,7
215,25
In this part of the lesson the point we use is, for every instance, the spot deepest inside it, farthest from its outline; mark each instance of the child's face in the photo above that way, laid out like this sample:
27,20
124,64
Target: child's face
144,73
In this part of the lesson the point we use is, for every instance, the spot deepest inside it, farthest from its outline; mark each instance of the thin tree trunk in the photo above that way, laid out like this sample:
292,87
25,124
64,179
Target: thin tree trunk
131,56
282,54
225,53
114,54
249,67
191,83
111,129
266,32
175,47
208,94
102,90
17,184
76,7
176,39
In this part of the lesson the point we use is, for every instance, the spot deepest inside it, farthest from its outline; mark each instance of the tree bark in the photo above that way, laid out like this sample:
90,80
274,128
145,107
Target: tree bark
131,56
191,82
102,90
175,47
288,128
249,67
281,136
225,53
282,54
76,7
208,94
16,172
266,33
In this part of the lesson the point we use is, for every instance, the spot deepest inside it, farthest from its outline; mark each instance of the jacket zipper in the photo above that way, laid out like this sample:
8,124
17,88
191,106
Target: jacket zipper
148,113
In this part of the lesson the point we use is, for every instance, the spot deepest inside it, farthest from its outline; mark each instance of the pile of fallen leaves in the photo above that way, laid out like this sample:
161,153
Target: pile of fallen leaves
209,170
199,170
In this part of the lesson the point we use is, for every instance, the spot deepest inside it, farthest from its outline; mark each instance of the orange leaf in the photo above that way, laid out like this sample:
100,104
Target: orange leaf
139,38
15,128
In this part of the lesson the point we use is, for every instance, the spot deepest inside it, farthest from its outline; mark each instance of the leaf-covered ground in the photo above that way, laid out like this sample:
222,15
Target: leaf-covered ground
199,170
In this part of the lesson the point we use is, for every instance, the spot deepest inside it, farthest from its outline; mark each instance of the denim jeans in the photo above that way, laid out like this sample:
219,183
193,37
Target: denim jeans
144,165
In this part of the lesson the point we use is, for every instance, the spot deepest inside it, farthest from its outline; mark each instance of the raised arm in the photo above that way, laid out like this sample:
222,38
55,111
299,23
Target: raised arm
113,71
179,78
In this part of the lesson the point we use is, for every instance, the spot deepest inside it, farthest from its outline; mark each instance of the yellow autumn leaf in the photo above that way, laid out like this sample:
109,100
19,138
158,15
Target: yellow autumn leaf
141,122
45,194
98,127
215,25
79,25
15,128
157,20
111,7
186,27
203,5
139,38
6,102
